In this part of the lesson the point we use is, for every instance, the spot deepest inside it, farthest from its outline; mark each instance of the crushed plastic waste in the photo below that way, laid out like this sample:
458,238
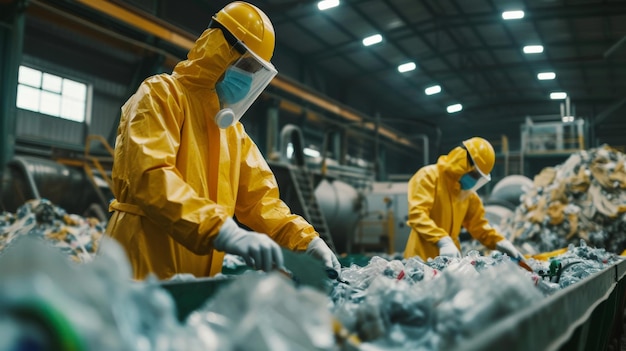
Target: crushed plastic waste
76,236
389,304
411,304
433,305
265,312
90,306
582,198
97,306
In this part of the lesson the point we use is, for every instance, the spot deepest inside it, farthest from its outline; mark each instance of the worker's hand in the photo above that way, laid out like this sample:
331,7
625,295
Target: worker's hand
258,250
447,248
507,247
318,248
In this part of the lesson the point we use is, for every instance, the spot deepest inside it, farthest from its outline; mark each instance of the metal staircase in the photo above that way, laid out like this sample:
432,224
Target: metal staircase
297,188
303,183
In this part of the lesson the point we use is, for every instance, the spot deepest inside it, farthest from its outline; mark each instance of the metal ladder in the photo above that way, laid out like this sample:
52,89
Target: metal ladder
302,179
295,179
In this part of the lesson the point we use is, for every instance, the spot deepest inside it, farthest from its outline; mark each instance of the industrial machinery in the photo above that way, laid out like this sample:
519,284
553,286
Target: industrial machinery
77,183
321,194
504,198
549,140
383,220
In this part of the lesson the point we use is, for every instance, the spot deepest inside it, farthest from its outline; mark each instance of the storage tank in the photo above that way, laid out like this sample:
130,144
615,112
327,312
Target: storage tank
507,192
504,198
340,204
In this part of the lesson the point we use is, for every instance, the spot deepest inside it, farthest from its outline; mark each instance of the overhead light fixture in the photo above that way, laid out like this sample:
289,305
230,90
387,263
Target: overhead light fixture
533,49
559,95
435,89
546,75
311,152
372,39
567,119
327,4
510,15
406,67
454,108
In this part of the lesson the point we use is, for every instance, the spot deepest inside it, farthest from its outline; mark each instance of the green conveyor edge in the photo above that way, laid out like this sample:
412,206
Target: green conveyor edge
582,316
579,317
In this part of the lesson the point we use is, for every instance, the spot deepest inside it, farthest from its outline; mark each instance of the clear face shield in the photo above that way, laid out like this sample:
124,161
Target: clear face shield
241,85
474,180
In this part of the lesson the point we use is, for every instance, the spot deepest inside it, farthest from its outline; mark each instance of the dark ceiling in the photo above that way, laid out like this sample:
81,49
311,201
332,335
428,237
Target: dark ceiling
473,54
462,45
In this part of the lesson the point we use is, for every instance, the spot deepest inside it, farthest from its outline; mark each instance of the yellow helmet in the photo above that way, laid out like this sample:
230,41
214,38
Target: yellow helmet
482,154
250,25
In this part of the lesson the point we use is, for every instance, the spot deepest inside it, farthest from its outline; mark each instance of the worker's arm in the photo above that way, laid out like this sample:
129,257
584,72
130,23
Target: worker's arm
422,189
260,207
478,226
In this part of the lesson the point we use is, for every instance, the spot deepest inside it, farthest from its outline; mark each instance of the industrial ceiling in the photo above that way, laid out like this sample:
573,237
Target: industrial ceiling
465,47
473,54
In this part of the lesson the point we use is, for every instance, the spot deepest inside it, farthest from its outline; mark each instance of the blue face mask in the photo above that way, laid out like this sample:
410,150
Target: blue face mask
467,182
234,87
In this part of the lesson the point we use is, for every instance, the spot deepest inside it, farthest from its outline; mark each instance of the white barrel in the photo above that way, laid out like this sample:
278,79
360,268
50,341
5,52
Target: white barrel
340,205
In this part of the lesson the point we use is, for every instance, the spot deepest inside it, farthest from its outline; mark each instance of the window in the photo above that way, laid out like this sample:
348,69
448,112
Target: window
52,95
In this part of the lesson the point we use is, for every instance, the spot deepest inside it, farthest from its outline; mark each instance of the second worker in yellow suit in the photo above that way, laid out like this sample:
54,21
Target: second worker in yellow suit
184,165
442,199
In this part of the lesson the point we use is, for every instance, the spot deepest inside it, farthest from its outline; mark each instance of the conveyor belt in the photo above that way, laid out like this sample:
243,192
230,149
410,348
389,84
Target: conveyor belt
579,317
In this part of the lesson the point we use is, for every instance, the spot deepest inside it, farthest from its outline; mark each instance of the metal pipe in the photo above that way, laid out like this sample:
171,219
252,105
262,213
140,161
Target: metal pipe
271,134
11,47
106,31
296,109
143,21
292,134
425,150
505,152
182,39
21,165
614,47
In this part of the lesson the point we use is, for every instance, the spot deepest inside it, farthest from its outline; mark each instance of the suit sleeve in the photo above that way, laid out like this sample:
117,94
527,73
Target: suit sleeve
259,205
421,196
478,226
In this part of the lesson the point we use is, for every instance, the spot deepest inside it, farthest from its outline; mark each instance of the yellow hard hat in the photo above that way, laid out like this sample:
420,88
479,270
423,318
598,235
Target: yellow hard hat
482,154
250,25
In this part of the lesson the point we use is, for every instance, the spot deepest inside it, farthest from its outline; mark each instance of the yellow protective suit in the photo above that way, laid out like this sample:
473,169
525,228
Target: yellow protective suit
177,177
437,207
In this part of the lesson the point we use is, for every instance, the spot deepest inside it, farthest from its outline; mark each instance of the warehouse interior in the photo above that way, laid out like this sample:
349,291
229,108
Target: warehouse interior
367,93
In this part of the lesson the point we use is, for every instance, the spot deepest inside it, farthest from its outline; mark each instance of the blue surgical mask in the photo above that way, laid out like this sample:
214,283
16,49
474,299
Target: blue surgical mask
467,182
234,87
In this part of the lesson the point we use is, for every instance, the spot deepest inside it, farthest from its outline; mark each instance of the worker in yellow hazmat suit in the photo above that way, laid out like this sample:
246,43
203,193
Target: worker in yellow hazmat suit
442,198
184,165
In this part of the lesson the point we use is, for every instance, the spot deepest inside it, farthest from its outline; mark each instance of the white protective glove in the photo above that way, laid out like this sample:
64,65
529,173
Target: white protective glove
318,249
447,248
257,249
507,247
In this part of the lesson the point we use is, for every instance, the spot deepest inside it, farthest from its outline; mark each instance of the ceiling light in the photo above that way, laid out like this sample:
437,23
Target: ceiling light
435,89
311,152
567,119
454,108
533,49
406,67
327,4
546,76
559,95
509,15
372,39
